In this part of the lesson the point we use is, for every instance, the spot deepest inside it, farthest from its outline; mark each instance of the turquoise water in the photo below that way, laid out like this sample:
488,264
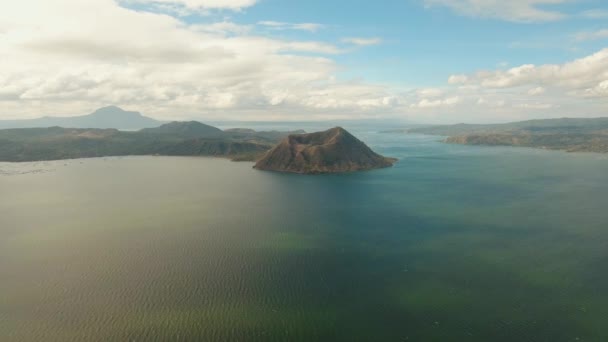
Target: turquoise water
454,243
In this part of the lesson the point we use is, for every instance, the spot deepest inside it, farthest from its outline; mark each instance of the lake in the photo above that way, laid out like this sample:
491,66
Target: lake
454,243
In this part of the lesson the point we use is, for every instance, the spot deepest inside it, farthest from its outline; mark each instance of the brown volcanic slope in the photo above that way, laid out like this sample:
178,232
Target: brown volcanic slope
331,151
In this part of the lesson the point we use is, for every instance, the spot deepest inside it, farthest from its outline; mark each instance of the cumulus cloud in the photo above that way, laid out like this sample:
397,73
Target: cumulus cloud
429,92
600,90
575,75
536,91
482,101
575,88
435,103
69,57
509,10
537,105
457,79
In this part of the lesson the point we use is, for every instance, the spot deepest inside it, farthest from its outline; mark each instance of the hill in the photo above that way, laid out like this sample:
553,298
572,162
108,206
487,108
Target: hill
331,151
173,139
548,126
190,129
568,134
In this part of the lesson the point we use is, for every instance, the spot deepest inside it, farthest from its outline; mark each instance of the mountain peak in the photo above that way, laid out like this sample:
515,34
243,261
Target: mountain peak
331,151
110,108
188,129
105,117
114,111
337,129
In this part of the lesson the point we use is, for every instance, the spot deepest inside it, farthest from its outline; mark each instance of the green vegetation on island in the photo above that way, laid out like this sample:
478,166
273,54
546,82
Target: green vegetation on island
334,150
173,139
567,134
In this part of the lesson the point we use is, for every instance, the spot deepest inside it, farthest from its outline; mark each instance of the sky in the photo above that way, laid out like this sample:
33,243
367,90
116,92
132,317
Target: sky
425,61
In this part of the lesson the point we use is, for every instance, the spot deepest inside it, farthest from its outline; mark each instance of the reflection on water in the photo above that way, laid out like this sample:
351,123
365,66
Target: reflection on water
454,243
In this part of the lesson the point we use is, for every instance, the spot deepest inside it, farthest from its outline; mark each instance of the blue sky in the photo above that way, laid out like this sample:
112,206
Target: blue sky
424,45
422,60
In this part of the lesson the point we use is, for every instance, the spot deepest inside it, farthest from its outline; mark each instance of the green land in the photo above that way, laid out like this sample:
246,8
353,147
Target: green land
567,134
172,139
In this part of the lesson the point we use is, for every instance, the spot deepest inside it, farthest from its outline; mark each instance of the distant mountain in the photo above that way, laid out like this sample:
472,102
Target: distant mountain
553,126
189,129
567,134
240,130
106,117
331,151
260,136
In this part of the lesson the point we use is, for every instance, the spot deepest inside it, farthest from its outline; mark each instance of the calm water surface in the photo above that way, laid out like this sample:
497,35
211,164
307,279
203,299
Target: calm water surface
454,243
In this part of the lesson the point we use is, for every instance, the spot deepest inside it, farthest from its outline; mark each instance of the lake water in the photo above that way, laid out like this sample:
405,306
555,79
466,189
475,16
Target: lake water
455,243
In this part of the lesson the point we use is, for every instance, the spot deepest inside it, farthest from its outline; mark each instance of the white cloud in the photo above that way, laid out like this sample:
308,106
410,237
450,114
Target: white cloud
445,102
482,101
68,57
536,91
349,95
452,100
600,90
576,88
509,10
429,92
537,105
362,41
578,74
191,6
594,35
278,25
457,79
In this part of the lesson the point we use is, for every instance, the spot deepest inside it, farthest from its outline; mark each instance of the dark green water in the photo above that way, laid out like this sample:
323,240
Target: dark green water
455,243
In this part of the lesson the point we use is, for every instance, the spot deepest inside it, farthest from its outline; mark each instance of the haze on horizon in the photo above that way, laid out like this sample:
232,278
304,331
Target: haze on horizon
433,61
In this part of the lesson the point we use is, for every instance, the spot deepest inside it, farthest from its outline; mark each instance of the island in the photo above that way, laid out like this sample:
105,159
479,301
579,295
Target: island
331,151
566,134
334,150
